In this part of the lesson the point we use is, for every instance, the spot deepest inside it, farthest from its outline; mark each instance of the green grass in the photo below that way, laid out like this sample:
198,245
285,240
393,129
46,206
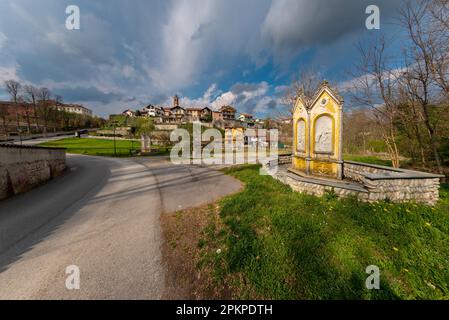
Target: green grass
367,159
95,147
280,244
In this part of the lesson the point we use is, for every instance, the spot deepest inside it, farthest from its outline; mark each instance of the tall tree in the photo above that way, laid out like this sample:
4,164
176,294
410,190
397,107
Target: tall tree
45,106
421,58
144,128
305,86
26,110
439,45
13,88
31,98
4,116
375,86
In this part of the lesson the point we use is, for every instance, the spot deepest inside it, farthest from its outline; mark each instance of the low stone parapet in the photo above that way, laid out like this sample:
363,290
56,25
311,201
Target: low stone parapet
367,182
284,159
394,184
24,167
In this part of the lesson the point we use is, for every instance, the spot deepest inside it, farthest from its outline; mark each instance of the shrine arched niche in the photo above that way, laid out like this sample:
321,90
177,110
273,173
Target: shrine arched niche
301,135
323,134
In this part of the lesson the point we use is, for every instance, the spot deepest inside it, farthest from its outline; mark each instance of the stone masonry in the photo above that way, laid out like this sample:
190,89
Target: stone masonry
23,167
366,182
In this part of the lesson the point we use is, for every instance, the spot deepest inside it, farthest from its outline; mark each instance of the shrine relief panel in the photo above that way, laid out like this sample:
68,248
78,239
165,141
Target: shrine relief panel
324,131
301,135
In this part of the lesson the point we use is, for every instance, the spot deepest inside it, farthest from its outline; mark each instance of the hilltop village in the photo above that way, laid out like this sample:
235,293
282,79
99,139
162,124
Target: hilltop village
224,117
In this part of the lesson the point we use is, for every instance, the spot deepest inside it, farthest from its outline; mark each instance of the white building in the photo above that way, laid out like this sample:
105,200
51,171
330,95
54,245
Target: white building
129,113
75,108
245,117
152,111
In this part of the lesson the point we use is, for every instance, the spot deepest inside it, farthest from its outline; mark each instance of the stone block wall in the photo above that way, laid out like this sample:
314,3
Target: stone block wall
321,189
23,167
399,190
356,171
284,159
397,185
368,183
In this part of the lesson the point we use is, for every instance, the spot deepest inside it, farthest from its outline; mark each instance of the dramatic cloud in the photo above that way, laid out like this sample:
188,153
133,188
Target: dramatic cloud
246,97
132,53
88,94
292,25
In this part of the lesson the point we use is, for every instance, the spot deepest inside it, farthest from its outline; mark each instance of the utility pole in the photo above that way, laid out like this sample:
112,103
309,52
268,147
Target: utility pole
20,135
114,123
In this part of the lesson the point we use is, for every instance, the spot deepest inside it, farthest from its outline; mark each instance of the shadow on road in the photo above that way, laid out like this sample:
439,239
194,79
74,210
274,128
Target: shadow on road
28,219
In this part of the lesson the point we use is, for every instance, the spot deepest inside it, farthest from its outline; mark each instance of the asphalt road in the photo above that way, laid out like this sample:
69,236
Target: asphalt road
102,216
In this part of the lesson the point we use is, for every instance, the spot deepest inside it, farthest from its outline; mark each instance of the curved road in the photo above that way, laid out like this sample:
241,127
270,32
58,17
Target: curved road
102,216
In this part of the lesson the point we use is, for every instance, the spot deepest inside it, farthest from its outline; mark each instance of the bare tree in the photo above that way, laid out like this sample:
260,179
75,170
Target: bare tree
421,58
438,33
31,98
305,86
374,86
26,110
13,88
45,106
4,116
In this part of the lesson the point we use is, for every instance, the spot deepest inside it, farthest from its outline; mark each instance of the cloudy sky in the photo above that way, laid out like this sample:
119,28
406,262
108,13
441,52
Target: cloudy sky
130,53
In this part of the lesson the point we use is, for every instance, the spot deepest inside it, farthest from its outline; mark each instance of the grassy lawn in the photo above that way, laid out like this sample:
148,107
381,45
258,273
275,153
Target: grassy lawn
368,159
95,147
270,242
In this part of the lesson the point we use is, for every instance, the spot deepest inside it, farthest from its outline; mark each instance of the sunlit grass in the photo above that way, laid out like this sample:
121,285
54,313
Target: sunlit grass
280,244
96,147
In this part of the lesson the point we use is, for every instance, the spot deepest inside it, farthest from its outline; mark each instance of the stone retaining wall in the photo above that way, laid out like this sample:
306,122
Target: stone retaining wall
399,190
284,159
368,183
356,171
385,183
23,167
318,189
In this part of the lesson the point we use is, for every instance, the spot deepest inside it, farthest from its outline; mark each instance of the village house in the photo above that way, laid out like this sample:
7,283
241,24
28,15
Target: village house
246,117
24,107
199,114
74,108
152,111
228,112
129,113
217,116
177,114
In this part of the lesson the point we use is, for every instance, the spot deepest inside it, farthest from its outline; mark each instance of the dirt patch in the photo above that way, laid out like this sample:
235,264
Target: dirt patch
182,255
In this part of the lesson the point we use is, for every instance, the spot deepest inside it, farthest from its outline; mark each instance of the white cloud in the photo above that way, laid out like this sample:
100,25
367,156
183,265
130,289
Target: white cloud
293,25
3,40
205,38
369,79
181,51
8,73
225,99
246,97
129,71
162,47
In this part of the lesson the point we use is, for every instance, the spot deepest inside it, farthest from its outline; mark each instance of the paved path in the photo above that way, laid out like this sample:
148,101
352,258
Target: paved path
39,138
103,216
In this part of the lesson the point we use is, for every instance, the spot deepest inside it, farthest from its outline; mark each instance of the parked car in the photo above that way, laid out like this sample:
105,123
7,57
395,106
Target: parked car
78,133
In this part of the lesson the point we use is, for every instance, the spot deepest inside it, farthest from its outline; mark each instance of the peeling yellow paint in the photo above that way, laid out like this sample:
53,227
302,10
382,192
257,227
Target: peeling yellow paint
309,161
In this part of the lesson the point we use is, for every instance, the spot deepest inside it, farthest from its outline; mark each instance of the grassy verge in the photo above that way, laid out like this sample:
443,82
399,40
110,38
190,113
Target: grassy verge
270,242
368,159
97,147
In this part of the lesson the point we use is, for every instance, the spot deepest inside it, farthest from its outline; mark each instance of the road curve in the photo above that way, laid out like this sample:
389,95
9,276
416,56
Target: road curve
102,216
